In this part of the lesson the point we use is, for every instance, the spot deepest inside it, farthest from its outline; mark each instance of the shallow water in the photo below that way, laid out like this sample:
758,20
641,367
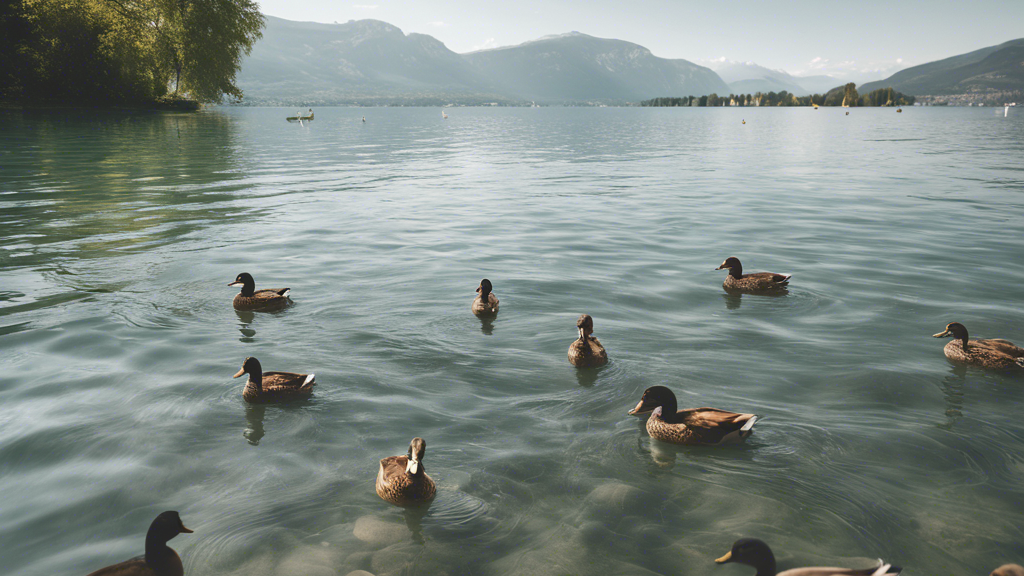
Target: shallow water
119,233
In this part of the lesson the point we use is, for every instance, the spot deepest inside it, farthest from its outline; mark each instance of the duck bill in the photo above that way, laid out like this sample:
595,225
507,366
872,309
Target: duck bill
184,530
638,410
240,372
477,289
724,559
941,334
235,283
722,267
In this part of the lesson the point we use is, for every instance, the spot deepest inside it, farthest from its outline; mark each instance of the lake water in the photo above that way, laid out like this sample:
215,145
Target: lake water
119,233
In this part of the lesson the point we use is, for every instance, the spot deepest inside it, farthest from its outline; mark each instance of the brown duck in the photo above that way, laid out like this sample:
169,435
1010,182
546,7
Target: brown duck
707,426
756,282
993,353
159,559
403,481
1008,570
486,302
274,386
755,553
586,351
249,298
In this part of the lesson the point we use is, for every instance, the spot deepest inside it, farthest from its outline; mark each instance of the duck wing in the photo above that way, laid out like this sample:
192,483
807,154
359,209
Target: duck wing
883,570
768,277
1000,345
713,426
278,382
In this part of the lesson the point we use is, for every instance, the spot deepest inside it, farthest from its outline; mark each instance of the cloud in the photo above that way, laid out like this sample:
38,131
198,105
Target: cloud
365,6
489,43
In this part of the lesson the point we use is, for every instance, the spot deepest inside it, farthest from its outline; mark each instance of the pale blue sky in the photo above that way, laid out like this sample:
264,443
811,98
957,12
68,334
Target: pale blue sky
859,40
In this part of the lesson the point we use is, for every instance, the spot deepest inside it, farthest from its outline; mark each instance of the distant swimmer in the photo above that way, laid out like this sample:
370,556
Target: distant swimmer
744,121
847,112
364,119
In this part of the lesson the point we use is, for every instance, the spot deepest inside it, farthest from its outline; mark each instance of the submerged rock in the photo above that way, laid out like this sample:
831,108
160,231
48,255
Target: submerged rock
379,533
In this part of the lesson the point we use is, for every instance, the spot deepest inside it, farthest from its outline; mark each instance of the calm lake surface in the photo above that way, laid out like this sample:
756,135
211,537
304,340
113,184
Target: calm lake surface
119,233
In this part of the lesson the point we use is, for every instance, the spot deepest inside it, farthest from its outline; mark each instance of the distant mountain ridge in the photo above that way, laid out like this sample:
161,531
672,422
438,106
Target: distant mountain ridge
994,69
370,61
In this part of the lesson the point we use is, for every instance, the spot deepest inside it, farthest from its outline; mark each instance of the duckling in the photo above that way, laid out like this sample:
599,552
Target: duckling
753,552
159,559
251,299
274,386
1008,570
993,353
586,351
486,302
708,426
403,480
756,282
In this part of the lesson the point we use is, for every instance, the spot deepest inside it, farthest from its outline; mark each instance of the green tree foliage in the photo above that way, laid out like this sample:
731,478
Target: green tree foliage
886,97
126,50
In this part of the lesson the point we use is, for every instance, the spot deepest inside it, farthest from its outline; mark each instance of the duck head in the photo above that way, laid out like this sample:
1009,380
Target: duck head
417,448
957,331
247,283
252,367
752,552
585,324
732,264
484,289
166,526
655,397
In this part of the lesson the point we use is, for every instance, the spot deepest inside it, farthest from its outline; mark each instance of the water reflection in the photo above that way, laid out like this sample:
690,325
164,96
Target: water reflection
414,520
587,377
953,392
246,318
734,298
486,323
254,414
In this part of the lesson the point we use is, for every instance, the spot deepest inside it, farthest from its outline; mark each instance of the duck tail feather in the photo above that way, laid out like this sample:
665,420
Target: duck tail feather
309,380
284,291
1019,361
749,424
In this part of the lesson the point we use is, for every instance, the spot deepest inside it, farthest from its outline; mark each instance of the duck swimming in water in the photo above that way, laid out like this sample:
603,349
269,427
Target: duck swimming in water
994,353
586,351
708,426
1008,570
753,283
274,386
159,559
403,481
486,302
755,553
251,299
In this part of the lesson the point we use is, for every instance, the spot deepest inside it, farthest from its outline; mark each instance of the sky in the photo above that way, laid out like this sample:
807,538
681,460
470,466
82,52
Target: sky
859,40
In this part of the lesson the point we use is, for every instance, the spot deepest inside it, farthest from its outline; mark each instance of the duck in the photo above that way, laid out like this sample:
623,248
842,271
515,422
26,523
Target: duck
251,299
587,351
994,353
274,386
756,553
1008,570
403,480
694,426
756,282
159,559
486,302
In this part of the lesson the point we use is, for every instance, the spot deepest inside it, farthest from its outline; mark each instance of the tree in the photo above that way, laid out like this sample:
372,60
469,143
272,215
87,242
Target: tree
205,40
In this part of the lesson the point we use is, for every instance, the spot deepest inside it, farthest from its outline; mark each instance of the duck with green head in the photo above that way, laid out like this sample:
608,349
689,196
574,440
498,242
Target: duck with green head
693,426
992,353
403,480
159,559
249,298
486,302
587,351
755,553
762,282
274,386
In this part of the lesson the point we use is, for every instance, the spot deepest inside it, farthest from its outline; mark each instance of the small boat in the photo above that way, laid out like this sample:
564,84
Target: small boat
815,106
444,115
299,117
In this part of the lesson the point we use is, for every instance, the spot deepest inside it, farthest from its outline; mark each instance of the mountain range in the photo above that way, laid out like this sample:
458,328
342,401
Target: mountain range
373,62
750,78
370,62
